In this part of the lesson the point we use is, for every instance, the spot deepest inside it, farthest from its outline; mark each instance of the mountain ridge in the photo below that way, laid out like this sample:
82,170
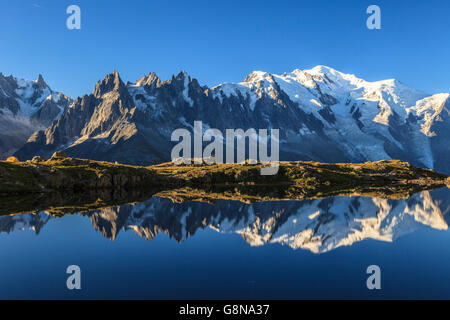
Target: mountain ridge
323,115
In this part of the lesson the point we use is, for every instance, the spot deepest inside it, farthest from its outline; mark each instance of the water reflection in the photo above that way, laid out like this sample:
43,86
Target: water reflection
317,225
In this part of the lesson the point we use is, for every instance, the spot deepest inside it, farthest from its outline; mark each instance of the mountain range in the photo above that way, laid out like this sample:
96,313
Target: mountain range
317,225
26,106
322,115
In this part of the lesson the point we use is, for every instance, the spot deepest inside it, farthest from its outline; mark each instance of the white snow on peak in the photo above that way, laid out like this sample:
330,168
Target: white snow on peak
235,89
186,91
55,97
27,106
255,76
137,89
324,73
428,109
25,88
30,96
313,88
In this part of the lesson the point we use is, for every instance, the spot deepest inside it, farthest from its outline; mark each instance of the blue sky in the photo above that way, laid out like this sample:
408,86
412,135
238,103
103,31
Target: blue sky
223,41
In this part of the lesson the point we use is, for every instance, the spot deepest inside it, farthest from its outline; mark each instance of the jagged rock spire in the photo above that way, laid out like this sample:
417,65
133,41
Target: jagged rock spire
111,82
148,80
41,82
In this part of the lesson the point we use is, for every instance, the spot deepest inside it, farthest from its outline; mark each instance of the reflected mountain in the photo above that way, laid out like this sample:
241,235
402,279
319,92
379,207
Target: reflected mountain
318,225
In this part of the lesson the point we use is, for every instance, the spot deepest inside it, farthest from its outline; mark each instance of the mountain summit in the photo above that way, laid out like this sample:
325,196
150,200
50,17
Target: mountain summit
323,115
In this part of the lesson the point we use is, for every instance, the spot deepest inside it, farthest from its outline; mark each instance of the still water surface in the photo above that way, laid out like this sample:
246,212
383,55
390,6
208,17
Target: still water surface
158,249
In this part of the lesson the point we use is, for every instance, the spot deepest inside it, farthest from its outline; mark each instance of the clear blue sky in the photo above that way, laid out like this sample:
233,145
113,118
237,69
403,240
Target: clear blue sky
223,41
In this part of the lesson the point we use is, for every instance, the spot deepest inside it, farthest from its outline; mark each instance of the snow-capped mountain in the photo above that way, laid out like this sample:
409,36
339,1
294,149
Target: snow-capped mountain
322,114
26,106
317,225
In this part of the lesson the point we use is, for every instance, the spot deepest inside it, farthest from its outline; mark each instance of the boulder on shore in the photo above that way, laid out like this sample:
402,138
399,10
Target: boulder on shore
12,160
58,155
38,159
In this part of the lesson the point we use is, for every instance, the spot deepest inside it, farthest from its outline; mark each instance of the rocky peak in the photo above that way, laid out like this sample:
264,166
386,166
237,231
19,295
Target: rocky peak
111,82
255,76
149,80
41,83
182,75
7,84
180,78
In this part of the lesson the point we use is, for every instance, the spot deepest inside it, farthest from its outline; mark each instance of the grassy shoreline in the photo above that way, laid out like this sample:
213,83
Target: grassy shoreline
69,185
79,174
